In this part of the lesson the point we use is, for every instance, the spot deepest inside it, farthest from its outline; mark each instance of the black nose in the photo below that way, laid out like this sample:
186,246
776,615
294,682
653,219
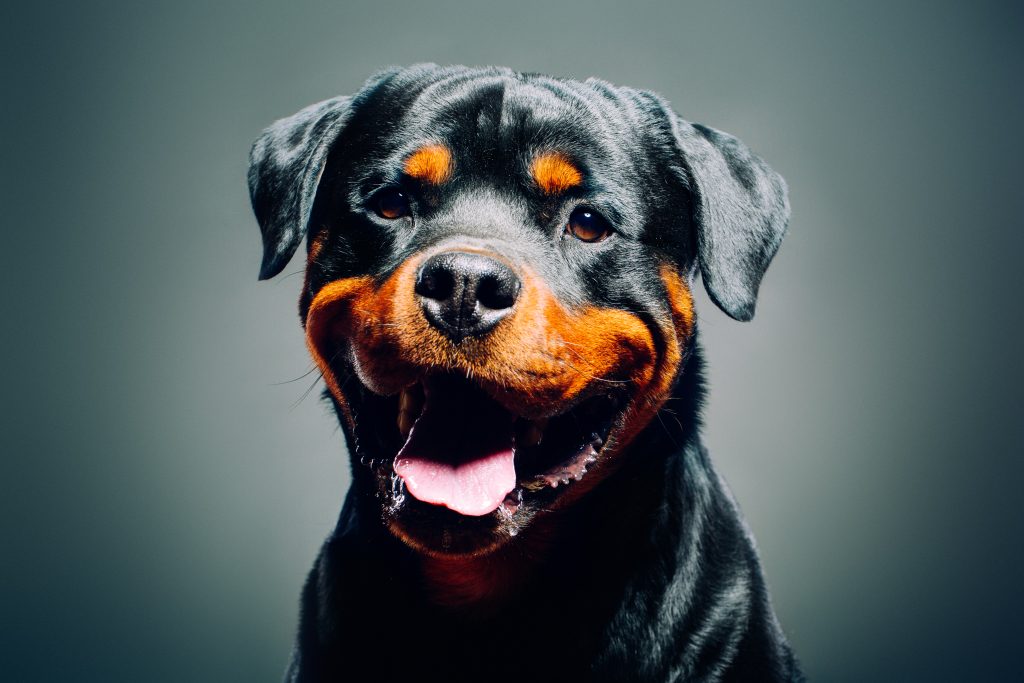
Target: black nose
465,295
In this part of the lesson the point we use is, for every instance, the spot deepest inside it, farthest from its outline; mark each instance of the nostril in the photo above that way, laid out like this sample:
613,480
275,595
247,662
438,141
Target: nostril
496,292
435,283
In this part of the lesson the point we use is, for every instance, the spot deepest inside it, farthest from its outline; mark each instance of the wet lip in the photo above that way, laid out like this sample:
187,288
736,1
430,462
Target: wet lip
451,444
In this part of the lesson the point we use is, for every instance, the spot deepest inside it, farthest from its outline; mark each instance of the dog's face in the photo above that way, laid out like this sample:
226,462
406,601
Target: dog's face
498,280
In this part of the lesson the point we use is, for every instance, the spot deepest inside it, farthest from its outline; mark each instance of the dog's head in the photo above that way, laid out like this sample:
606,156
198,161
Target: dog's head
498,279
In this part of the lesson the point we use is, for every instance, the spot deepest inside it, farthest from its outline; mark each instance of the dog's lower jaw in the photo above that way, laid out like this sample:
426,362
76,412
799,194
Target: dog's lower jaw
480,586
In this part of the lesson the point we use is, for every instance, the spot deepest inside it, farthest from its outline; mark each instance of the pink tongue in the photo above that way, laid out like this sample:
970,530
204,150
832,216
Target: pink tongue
459,453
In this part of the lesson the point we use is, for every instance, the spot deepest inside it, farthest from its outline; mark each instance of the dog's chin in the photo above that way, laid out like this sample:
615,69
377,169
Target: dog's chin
457,471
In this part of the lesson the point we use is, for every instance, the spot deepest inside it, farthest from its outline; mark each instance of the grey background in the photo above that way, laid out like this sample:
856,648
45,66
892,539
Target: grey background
164,493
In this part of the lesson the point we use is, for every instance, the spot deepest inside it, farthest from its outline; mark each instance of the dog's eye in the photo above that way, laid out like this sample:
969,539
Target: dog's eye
588,225
391,204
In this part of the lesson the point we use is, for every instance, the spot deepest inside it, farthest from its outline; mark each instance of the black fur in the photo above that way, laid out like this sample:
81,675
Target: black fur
653,575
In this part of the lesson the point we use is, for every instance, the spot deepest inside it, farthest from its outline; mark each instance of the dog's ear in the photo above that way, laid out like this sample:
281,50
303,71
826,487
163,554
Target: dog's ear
285,165
740,212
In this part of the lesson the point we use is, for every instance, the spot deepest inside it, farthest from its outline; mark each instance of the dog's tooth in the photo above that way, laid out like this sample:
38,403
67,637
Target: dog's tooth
532,435
539,426
411,400
410,405
405,420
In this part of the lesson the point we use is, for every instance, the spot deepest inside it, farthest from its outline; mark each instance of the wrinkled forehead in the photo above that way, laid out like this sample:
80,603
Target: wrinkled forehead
497,123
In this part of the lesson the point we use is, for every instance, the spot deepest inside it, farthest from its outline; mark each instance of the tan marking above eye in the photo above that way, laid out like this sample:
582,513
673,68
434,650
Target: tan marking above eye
431,163
554,173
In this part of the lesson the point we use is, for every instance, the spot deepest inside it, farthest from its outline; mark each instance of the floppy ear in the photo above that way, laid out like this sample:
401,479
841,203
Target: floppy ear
285,165
740,212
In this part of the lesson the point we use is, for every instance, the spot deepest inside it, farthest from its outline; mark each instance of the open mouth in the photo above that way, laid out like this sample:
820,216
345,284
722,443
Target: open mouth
446,442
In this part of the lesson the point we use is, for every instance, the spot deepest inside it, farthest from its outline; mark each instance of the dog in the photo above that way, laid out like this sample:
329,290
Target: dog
498,295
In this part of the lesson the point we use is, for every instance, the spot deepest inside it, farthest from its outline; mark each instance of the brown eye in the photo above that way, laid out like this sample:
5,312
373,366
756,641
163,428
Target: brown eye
392,204
588,226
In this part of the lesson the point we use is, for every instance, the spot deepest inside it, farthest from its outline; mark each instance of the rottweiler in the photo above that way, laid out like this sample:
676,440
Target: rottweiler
498,295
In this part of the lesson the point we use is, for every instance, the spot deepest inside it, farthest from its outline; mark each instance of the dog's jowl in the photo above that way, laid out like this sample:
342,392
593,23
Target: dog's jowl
498,296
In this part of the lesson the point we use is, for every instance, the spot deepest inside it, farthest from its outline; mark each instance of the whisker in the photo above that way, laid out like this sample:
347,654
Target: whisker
291,274
668,432
305,393
289,381
589,375
320,376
